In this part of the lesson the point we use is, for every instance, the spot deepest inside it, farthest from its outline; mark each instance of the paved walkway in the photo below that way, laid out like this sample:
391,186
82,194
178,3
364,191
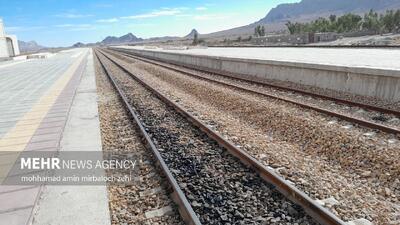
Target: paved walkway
35,112
76,205
12,63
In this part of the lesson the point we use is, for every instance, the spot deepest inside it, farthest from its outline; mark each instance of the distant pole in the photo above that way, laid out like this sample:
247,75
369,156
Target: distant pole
3,42
2,33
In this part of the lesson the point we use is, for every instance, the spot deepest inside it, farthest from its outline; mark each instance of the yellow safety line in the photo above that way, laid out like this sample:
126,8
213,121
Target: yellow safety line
24,133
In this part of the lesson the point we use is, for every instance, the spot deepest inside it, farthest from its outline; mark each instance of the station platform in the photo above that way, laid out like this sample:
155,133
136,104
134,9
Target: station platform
4,64
50,105
364,72
350,57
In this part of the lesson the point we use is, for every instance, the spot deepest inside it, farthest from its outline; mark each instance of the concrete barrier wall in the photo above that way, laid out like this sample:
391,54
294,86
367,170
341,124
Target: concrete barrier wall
380,83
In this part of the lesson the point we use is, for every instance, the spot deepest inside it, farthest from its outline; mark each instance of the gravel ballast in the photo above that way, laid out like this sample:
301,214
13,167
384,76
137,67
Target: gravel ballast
323,156
220,189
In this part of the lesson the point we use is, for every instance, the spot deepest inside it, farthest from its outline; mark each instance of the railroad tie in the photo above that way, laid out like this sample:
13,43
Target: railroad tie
159,212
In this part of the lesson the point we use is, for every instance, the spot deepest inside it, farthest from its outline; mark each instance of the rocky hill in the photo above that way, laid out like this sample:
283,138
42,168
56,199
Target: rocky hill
111,40
311,9
30,46
127,38
78,45
192,33
307,10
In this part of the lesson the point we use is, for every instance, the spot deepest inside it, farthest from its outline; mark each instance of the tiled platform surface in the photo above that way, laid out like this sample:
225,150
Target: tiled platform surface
79,204
5,64
35,102
21,85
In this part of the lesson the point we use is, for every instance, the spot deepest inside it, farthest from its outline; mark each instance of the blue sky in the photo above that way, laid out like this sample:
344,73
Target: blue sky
65,22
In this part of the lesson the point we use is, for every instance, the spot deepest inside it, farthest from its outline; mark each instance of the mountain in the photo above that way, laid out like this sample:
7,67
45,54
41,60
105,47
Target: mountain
127,38
78,45
307,10
111,40
192,33
30,46
311,9
245,31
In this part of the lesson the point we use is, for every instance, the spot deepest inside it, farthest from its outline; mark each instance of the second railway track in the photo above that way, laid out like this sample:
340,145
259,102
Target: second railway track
378,118
218,186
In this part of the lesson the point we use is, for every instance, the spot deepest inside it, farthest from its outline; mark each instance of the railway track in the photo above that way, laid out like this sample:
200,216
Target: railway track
379,114
185,209
145,200
211,186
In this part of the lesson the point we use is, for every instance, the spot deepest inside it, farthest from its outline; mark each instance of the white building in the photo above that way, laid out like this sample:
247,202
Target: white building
8,43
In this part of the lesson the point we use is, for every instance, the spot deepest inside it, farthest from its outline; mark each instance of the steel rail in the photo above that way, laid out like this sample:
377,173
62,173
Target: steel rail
361,122
235,76
311,207
394,47
310,46
185,209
